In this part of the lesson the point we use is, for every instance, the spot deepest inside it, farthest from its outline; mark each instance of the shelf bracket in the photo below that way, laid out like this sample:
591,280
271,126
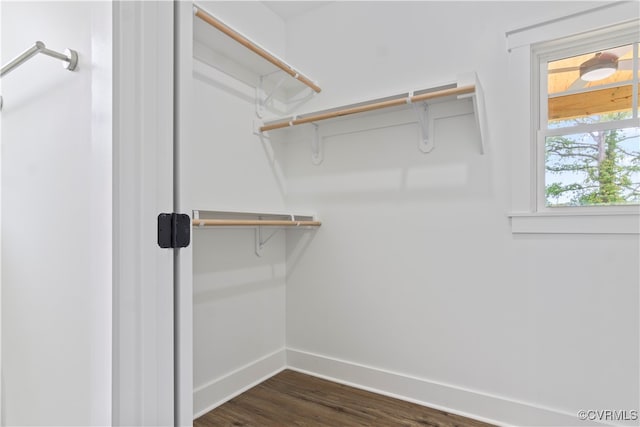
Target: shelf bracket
477,99
262,98
425,121
299,100
316,145
260,242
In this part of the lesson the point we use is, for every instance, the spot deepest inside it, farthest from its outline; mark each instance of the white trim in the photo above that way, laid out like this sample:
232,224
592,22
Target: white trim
474,404
608,22
590,127
183,260
580,22
2,414
576,223
237,382
142,178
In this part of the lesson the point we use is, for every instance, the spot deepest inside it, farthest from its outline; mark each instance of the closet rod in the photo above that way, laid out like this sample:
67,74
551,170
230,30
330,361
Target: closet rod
254,222
370,107
206,17
38,47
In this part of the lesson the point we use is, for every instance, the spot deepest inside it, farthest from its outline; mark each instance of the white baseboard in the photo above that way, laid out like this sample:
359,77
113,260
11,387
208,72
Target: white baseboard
220,390
469,403
474,404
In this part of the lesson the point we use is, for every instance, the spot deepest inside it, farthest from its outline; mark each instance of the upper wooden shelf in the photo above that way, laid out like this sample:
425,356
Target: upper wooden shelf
466,86
226,49
403,99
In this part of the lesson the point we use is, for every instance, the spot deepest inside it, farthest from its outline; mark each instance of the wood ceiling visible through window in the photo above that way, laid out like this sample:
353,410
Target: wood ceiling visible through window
583,98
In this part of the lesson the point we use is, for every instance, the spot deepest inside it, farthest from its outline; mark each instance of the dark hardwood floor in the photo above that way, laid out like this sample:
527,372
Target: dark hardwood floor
294,399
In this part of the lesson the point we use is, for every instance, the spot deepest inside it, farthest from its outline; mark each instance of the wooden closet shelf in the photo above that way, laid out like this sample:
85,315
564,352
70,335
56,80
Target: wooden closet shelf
374,105
202,218
254,47
253,223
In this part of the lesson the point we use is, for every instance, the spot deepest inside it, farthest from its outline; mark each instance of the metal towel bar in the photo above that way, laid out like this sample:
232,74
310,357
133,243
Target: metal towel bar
70,57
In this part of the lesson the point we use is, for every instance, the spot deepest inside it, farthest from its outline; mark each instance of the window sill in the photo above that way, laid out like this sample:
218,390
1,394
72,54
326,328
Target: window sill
575,223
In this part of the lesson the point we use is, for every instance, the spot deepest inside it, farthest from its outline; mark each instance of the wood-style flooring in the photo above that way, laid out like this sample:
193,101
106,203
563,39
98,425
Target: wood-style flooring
294,399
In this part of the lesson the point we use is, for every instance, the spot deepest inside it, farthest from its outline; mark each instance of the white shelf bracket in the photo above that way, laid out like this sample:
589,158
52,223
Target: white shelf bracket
260,242
481,116
302,98
316,145
262,98
257,124
426,123
477,99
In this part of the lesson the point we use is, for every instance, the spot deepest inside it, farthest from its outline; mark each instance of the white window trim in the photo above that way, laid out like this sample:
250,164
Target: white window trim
526,215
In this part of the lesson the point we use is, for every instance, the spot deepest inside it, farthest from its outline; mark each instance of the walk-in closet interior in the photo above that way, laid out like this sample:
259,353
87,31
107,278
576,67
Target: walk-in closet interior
389,124
370,196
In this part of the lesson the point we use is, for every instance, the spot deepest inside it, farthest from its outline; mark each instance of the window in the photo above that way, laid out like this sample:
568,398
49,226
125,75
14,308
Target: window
563,179
588,133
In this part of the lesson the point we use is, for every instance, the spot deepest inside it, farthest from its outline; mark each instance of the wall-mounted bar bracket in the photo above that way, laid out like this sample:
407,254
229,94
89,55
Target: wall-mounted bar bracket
262,98
316,145
425,122
477,98
260,241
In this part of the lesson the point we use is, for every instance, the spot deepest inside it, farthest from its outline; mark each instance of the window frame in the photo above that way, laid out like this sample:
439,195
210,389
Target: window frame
524,215
545,52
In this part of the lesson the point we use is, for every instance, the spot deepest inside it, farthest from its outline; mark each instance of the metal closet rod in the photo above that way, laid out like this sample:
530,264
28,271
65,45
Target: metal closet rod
71,57
206,17
370,107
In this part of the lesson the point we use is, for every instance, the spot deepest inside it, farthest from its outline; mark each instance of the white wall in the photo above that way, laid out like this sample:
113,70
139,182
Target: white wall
238,298
415,285
56,210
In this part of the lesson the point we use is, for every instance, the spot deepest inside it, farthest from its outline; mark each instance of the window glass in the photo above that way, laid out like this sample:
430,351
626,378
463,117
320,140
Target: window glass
590,86
589,128
593,168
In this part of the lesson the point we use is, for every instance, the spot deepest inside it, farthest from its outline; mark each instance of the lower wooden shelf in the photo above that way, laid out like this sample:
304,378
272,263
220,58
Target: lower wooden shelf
251,219
258,221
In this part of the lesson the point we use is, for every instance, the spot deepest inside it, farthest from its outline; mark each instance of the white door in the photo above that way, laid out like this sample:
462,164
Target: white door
143,329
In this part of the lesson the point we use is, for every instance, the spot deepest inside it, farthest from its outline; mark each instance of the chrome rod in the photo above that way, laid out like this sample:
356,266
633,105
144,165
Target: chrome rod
55,54
71,57
25,56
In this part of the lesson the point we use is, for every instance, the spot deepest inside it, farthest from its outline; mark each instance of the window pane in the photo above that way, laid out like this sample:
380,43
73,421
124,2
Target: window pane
590,87
590,70
597,106
594,168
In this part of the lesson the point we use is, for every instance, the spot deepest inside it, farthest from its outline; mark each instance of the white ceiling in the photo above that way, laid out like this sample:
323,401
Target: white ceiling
290,9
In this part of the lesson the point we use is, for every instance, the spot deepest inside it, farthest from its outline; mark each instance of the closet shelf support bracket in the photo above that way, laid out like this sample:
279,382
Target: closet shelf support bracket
425,121
263,98
477,99
316,145
260,242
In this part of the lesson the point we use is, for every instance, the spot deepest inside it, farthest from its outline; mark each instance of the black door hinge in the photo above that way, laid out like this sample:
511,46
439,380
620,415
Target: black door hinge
174,230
